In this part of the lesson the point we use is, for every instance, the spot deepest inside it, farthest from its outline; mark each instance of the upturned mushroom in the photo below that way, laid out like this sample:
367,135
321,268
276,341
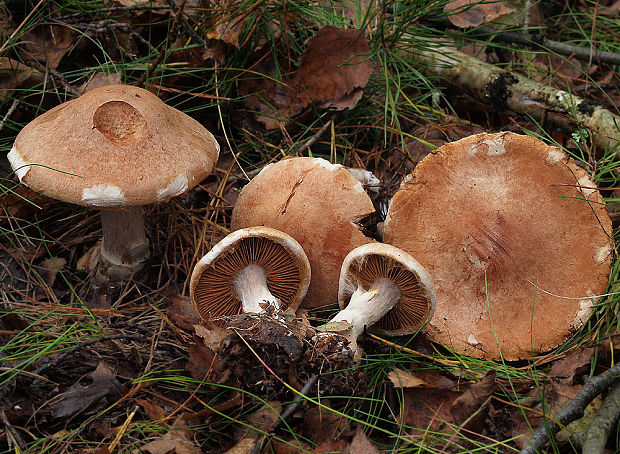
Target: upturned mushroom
318,204
515,237
251,270
382,288
116,148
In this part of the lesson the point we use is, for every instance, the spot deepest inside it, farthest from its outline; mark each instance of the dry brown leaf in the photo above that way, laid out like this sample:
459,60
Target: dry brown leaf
50,267
152,410
576,363
182,313
361,444
176,441
210,334
78,397
331,446
243,446
404,379
88,262
323,422
333,72
472,13
468,403
12,75
48,44
227,29
334,69
99,80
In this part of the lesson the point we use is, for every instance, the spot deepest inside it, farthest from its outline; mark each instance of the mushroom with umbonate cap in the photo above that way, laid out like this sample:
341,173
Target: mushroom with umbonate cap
250,270
116,148
515,237
384,288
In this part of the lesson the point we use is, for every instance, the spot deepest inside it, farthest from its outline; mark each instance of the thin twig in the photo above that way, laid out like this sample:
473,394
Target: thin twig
318,134
573,411
9,112
538,41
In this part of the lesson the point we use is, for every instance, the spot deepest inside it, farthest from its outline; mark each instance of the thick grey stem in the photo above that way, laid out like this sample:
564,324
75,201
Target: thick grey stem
124,248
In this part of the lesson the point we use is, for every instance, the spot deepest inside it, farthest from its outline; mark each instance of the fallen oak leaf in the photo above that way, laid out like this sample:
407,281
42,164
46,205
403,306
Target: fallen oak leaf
78,397
472,13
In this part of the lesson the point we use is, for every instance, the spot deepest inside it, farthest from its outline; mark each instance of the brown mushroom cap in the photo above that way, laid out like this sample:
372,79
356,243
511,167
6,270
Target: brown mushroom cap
285,264
116,145
316,203
500,215
368,263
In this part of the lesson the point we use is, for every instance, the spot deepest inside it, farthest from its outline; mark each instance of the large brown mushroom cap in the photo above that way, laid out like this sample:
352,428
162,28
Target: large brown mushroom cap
286,269
516,240
113,146
316,203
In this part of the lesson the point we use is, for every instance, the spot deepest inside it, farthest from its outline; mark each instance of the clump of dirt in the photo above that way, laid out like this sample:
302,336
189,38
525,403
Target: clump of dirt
262,351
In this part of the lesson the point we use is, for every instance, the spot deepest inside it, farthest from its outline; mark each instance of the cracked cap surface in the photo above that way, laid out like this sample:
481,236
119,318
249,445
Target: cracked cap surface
316,203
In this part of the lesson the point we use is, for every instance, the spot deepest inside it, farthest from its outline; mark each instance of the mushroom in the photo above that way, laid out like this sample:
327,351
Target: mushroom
250,270
116,148
381,287
515,237
318,204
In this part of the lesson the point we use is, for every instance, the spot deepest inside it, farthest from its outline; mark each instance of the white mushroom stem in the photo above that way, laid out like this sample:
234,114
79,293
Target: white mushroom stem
124,247
251,287
367,307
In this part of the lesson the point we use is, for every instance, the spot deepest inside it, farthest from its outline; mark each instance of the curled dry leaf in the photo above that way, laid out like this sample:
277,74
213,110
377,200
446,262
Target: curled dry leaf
48,44
361,444
176,441
78,397
576,363
12,75
99,80
472,13
50,268
333,72
404,379
182,313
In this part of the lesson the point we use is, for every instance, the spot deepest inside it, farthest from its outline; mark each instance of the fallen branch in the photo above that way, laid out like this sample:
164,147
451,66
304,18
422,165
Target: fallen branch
507,90
603,423
538,41
573,411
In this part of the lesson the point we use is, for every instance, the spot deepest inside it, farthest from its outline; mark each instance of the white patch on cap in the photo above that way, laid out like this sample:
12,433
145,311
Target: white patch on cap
601,254
103,195
326,164
496,145
265,168
585,181
178,186
555,156
358,187
585,309
217,145
366,178
408,179
18,164
471,340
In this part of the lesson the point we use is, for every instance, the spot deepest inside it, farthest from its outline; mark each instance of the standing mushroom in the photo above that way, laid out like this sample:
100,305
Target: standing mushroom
318,204
250,270
381,287
116,148
515,237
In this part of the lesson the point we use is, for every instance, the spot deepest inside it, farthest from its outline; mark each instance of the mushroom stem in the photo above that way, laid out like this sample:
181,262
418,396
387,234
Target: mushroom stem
124,247
367,307
251,287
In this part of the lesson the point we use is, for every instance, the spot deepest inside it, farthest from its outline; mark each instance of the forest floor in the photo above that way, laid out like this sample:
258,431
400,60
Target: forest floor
127,367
